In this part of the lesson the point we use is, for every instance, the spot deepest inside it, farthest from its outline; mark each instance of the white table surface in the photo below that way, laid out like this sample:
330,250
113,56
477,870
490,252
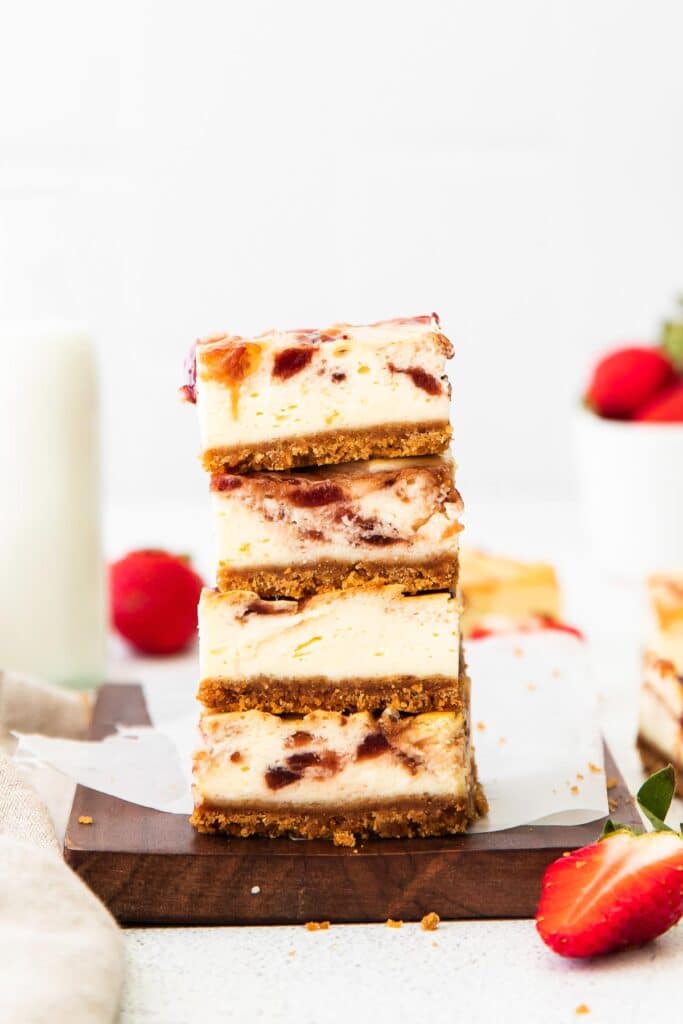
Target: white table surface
467,970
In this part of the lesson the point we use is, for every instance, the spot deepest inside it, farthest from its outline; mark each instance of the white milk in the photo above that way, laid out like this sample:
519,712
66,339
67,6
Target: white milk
52,582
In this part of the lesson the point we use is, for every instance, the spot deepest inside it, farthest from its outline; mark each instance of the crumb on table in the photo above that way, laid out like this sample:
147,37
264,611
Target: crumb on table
430,922
343,838
581,1009
611,782
393,924
85,819
594,768
317,926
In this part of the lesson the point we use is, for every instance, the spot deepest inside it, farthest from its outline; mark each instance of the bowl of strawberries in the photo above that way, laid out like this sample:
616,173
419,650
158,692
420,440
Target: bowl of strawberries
629,435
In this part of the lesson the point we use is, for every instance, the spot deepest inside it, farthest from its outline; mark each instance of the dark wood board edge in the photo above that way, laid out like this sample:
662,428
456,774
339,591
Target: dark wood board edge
479,876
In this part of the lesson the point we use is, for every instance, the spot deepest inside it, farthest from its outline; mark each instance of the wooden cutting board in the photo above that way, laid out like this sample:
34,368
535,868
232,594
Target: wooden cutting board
153,868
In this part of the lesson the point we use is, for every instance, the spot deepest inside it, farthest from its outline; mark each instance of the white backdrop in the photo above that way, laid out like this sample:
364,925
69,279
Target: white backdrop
167,169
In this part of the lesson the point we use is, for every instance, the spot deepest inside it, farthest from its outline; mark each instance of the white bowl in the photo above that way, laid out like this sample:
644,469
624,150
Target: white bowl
631,489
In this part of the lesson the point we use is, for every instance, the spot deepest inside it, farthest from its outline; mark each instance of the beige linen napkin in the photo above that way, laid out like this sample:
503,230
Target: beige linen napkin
61,956
29,705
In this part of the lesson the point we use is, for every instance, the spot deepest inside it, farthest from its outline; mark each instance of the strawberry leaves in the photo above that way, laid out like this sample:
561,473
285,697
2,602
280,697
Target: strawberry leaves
655,796
654,799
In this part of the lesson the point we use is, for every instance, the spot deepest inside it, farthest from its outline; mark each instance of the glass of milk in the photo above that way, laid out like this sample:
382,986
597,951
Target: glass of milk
52,579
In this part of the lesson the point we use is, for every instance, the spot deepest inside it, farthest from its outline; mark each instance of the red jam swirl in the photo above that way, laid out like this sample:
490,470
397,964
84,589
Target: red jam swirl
298,739
189,390
225,482
374,744
291,361
230,365
420,378
279,777
316,495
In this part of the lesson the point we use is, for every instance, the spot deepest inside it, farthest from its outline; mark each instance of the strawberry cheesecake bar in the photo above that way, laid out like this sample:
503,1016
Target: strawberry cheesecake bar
295,534
315,397
361,648
505,588
660,724
334,695
335,776
666,618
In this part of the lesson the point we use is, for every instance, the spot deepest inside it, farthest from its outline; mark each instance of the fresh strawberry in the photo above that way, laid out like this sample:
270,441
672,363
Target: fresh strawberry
624,381
154,598
664,408
624,890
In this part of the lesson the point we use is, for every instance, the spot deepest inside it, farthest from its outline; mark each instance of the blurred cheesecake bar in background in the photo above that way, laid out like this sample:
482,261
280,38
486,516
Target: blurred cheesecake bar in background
315,397
660,724
295,534
503,588
335,776
361,648
666,617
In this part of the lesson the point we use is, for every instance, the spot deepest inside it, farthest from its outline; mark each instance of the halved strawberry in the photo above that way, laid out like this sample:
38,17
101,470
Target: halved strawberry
664,408
625,380
624,890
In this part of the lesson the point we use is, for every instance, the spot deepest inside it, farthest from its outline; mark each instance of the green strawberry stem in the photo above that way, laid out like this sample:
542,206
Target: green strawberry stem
672,339
654,798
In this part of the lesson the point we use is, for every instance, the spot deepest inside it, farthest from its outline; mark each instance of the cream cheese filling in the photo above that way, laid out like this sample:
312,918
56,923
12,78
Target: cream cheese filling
408,518
661,709
343,634
318,759
667,644
349,387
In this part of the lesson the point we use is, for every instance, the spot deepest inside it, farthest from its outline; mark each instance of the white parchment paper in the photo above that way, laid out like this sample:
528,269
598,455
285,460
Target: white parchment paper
534,724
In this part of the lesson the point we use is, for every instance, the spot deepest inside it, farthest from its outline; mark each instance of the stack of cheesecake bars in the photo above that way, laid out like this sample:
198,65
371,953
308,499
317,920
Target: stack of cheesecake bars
335,698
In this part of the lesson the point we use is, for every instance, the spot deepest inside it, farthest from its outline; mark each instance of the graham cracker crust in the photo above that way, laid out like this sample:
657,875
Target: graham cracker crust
653,760
398,819
299,696
392,440
304,580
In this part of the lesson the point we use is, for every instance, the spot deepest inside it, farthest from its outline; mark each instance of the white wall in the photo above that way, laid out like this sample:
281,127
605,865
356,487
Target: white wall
171,168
